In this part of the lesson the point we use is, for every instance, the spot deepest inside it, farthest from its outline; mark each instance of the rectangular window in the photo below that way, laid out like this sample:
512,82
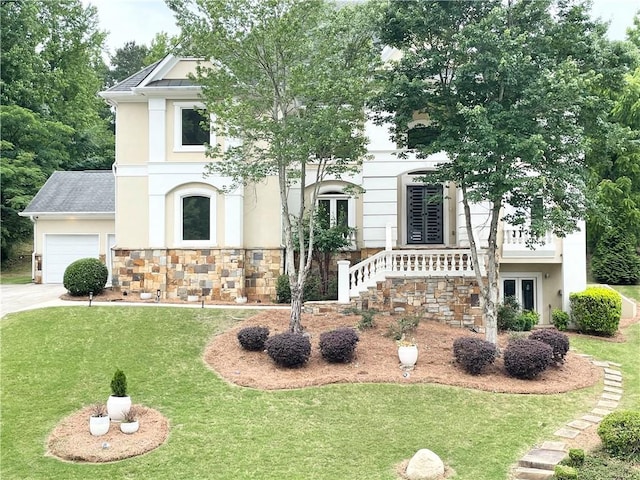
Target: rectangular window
193,127
522,289
196,218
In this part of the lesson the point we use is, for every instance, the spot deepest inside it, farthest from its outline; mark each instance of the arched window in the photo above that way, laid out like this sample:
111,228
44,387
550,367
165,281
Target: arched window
333,208
195,218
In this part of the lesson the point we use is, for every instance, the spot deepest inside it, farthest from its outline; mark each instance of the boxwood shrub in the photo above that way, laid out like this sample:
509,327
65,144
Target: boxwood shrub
620,434
560,319
526,358
473,354
558,341
253,338
288,349
338,346
596,310
84,276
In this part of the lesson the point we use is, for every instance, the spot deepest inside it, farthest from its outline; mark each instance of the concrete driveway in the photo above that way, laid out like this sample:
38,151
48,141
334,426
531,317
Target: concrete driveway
14,298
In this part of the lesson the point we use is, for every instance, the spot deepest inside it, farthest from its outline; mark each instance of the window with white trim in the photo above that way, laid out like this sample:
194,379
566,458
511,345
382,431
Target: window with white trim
190,128
195,218
524,287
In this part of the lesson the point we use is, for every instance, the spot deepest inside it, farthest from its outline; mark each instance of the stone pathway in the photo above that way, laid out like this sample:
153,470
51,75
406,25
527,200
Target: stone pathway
539,463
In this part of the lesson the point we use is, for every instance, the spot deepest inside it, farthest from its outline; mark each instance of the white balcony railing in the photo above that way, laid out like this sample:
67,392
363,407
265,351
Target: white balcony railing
515,244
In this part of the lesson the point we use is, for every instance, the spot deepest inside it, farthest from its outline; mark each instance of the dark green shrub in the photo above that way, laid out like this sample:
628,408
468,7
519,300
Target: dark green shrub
289,349
603,467
311,291
615,260
508,314
560,319
620,434
558,341
253,338
526,358
119,384
283,290
367,319
338,346
576,456
403,326
473,353
84,276
596,310
526,320
565,472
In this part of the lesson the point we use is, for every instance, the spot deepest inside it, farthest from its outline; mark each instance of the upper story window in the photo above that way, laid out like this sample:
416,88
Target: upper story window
195,220
190,128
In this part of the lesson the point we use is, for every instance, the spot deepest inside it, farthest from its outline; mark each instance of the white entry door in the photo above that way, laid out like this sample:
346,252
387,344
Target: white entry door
62,250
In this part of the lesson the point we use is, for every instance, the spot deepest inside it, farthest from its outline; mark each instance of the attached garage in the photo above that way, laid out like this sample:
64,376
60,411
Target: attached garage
62,250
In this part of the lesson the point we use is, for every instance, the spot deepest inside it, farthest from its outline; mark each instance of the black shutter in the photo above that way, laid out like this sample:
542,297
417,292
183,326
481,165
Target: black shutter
424,214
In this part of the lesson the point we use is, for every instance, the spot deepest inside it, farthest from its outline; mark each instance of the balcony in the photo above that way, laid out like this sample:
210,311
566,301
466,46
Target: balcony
515,248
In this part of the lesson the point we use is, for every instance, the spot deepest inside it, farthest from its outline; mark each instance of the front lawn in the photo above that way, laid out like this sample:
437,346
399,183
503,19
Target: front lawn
54,361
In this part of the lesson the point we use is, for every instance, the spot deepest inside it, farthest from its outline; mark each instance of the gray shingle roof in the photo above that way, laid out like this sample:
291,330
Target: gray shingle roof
134,80
91,191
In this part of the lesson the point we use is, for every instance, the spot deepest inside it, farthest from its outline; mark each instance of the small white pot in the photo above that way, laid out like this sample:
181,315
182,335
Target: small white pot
99,425
145,296
408,355
129,427
117,407
193,298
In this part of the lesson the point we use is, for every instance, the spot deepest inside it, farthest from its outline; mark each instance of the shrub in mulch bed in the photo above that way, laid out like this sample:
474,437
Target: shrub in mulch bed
338,346
558,341
525,358
288,349
253,338
473,353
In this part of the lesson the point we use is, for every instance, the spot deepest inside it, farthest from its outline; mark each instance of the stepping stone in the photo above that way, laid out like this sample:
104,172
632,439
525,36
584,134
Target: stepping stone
542,459
598,363
550,445
584,355
601,411
592,418
610,371
525,473
607,404
611,396
611,383
607,388
579,424
613,378
567,433
615,364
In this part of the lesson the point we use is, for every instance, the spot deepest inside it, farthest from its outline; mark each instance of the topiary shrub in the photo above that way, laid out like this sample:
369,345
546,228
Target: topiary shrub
473,353
558,341
527,358
596,310
565,472
84,276
119,384
338,346
560,319
253,338
615,260
289,349
508,314
620,434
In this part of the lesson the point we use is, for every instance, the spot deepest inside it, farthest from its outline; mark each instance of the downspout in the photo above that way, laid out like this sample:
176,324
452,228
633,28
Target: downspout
33,254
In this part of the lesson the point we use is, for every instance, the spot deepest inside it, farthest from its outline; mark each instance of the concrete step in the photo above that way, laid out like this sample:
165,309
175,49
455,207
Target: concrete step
525,473
542,459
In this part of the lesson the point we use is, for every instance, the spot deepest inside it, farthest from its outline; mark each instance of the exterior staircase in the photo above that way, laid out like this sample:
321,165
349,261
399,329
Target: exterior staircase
539,463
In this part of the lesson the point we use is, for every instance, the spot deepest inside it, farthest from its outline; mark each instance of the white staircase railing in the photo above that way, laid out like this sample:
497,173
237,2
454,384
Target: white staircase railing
409,263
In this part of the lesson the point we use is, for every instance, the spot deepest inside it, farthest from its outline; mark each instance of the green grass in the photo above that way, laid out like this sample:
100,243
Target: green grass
54,361
629,291
16,272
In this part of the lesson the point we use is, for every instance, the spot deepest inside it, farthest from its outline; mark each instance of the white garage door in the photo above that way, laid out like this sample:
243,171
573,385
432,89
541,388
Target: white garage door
62,250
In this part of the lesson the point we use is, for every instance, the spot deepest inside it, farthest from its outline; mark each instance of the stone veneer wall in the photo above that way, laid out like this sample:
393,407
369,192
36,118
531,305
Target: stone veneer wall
212,274
452,300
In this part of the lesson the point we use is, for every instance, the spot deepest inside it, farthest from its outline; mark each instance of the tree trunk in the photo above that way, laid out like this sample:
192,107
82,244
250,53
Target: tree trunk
295,320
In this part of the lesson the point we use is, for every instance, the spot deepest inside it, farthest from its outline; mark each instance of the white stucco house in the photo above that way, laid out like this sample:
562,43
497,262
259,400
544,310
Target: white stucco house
164,226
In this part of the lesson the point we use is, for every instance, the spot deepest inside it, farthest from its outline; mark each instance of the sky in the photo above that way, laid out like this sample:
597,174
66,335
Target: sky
140,20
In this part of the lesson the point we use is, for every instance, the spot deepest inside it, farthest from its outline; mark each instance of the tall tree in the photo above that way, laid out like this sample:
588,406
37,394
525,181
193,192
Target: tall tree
505,86
126,61
289,80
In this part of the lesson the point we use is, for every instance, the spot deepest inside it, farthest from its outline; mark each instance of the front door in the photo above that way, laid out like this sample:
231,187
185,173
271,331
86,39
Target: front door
425,215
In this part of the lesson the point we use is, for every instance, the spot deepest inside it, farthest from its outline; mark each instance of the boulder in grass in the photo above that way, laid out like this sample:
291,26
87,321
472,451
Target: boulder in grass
425,465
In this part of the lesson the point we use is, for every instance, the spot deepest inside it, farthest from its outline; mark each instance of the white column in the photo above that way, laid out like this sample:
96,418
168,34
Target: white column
574,264
389,237
234,218
343,281
157,129
156,221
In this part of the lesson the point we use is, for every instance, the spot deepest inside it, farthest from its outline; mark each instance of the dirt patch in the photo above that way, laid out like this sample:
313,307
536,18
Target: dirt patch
377,360
71,440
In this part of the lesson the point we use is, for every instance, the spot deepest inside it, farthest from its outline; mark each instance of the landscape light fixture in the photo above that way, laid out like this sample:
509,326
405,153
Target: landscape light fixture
158,296
90,297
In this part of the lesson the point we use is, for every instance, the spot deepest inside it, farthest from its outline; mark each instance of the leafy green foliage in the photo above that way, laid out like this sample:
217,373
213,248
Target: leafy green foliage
558,341
526,358
596,310
338,346
253,338
620,434
576,456
283,290
560,319
508,313
599,466
312,289
85,275
402,327
119,384
474,354
367,319
565,472
290,350
528,319
615,260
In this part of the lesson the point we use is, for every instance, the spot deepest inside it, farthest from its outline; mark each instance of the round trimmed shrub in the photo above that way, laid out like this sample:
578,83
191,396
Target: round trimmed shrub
620,434
338,346
560,319
288,349
527,358
596,310
473,353
84,276
558,341
253,338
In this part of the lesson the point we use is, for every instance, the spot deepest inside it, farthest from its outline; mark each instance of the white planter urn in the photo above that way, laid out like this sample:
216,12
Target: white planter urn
408,355
145,296
129,427
193,298
117,407
99,425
